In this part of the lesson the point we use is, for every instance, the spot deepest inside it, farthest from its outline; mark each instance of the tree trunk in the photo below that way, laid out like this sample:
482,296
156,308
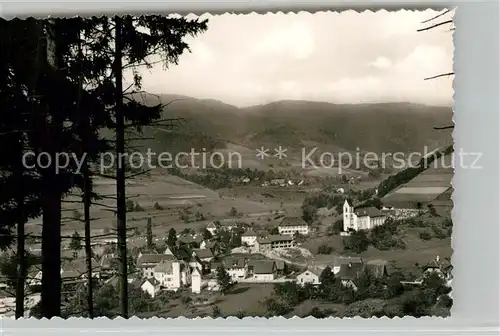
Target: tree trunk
120,170
51,196
51,248
88,248
87,201
21,260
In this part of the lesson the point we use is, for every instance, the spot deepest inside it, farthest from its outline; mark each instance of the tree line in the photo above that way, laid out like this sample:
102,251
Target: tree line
61,85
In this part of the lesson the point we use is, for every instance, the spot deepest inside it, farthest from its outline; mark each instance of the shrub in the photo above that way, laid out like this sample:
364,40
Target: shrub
233,212
138,207
426,235
357,242
130,206
325,249
158,206
199,216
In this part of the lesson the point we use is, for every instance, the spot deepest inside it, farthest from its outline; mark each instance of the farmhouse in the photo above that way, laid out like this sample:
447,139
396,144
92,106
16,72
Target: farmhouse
274,242
349,273
210,245
172,274
310,276
362,219
263,270
339,261
249,237
236,268
291,225
205,255
213,227
193,241
147,262
195,261
151,286
437,266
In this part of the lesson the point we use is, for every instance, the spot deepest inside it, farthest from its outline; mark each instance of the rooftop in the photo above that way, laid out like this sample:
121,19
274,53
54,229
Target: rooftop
293,221
230,263
369,211
165,266
263,266
203,253
249,233
148,259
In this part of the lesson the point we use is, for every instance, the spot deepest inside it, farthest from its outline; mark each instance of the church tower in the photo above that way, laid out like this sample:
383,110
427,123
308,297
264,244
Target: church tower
348,216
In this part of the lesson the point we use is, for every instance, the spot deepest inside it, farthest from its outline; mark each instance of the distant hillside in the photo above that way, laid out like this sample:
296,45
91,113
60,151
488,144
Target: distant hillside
418,186
387,127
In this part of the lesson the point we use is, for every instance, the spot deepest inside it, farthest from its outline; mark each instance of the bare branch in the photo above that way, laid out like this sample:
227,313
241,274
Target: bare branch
437,16
435,25
441,75
444,127
139,173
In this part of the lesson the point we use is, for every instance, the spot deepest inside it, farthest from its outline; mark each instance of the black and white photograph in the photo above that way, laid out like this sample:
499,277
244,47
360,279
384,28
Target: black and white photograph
257,165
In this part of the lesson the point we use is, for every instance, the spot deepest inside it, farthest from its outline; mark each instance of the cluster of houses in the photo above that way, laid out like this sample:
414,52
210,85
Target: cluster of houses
288,227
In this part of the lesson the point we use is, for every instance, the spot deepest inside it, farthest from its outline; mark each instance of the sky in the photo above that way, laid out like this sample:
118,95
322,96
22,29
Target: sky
345,57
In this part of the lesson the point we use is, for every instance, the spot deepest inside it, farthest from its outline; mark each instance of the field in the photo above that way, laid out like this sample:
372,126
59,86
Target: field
172,194
425,187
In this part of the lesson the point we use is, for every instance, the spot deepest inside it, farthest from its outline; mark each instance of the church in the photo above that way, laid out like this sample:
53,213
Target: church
362,219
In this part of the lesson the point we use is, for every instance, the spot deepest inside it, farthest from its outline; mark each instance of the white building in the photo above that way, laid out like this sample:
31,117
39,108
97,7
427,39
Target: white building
151,286
291,225
362,219
249,238
213,227
147,263
311,276
196,281
274,242
263,270
237,268
172,274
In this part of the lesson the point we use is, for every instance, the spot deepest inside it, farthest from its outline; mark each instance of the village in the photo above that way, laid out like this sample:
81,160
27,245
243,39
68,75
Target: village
232,252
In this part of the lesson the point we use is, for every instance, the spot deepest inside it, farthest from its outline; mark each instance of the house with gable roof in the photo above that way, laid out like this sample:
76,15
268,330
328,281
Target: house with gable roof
237,268
172,274
310,276
291,225
204,255
213,227
249,237
151,286
263,270
147,262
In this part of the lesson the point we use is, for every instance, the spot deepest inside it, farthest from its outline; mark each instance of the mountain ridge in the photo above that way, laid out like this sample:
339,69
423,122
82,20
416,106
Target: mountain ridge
379,127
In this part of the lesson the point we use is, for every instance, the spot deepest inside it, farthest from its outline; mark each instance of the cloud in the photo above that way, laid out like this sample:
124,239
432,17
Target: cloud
381,63
295,40
334,57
